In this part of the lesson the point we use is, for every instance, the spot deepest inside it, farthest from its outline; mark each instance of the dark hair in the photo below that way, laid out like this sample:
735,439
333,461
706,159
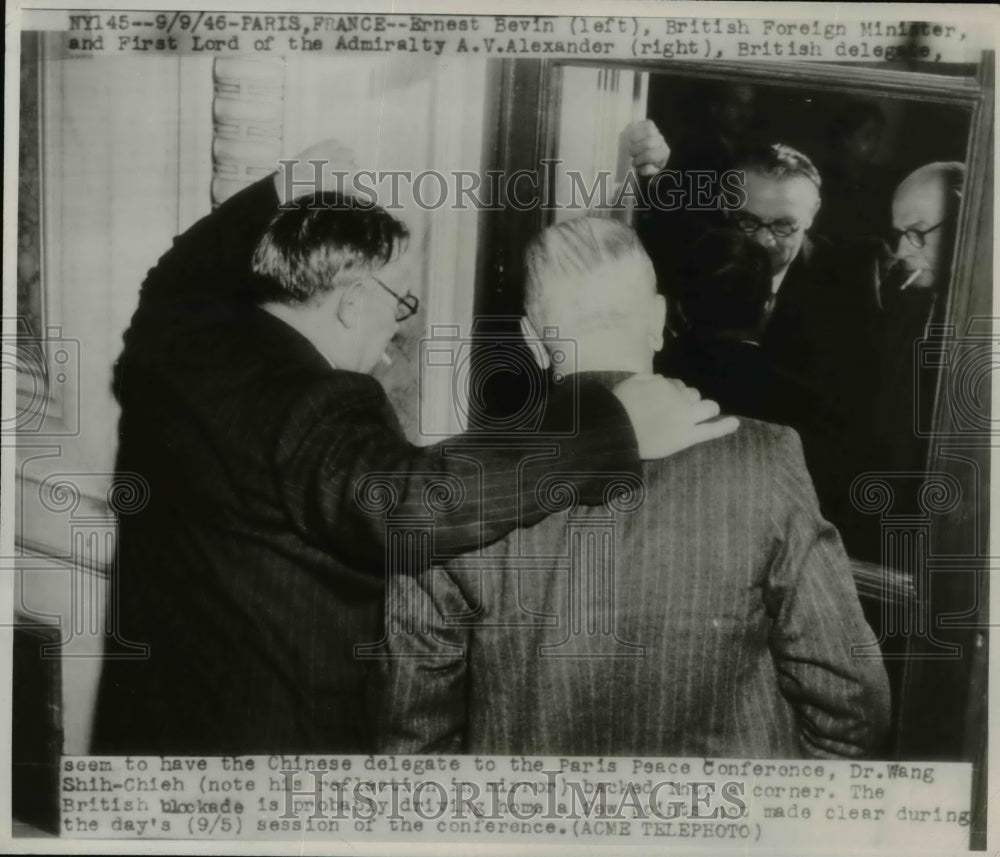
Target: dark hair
778,161
723,283
311,246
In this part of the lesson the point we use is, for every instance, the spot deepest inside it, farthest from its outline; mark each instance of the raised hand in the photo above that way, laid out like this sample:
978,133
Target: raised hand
647,148
336,157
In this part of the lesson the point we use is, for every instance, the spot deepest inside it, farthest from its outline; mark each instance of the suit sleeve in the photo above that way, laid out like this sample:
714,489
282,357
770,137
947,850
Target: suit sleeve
419,689
212,259
345,470
333,437
828,662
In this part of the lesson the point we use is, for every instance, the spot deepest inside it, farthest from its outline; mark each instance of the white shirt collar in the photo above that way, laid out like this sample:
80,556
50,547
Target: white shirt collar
777,280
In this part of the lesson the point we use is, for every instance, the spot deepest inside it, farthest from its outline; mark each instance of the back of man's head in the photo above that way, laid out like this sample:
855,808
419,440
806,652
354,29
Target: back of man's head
723,283
321,242
587,275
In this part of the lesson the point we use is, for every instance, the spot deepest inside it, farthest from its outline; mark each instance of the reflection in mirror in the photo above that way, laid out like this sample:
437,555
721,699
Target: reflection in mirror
800,276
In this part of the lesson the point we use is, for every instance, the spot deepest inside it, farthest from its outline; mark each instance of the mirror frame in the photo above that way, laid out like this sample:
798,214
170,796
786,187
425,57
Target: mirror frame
941,711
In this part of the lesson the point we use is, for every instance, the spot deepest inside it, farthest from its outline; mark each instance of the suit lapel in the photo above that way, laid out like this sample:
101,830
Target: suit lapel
796,282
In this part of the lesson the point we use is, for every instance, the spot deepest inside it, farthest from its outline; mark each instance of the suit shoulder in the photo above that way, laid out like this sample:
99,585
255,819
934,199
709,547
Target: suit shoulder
765,438
772,444
755,445
760,431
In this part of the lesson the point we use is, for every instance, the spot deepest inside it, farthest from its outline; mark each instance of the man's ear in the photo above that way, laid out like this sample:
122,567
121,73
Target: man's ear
813,212
534,343
657,321
350,304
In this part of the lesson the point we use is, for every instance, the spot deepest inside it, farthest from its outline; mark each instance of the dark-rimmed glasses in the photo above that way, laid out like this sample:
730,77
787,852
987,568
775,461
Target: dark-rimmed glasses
406,305
916,236
749,224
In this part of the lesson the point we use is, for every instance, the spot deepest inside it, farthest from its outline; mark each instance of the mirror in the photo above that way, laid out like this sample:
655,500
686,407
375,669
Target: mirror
828,347
866,371
846,286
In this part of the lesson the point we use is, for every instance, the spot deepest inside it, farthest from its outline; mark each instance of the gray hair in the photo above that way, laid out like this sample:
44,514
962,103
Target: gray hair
779,161
586,274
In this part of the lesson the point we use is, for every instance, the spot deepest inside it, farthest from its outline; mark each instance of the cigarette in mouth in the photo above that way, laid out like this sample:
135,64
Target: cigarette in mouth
911,278
386,359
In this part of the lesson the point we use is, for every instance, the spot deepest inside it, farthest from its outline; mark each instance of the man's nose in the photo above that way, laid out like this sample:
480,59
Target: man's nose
764,237
905,249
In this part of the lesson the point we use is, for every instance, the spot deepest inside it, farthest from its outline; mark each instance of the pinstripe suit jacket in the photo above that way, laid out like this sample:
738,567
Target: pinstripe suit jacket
715,619
257,564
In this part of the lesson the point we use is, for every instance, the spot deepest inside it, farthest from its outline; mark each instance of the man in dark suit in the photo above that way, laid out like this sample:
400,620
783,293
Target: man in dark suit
259,560
823,321
925,212
723,288
707,610
822,315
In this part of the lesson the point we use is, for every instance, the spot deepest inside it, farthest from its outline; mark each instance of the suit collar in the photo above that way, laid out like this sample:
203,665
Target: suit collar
795,275
802,258
281,339
806,251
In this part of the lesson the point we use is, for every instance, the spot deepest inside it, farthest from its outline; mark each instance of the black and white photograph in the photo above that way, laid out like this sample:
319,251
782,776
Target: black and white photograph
454,426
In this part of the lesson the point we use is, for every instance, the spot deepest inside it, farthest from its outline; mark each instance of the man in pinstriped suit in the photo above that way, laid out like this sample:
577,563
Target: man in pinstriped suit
707,610
249,410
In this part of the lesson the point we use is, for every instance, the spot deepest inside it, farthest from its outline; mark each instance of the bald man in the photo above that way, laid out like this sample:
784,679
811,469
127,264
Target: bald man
924,215
925,211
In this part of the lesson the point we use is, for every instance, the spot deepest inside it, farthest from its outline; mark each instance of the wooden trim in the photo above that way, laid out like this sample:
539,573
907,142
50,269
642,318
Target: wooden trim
553,100
248,111
490,296
961,687
912,85
525,86
964,454
450,261
48,402
972,266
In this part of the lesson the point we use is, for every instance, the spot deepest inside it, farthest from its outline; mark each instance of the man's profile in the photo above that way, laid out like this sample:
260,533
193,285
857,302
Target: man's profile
925,210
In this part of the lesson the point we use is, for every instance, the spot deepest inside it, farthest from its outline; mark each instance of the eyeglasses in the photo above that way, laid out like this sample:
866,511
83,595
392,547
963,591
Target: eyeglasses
749,224
915,236
406,305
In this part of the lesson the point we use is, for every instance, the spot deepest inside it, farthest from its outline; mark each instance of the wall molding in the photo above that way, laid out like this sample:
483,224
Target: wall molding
248,115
